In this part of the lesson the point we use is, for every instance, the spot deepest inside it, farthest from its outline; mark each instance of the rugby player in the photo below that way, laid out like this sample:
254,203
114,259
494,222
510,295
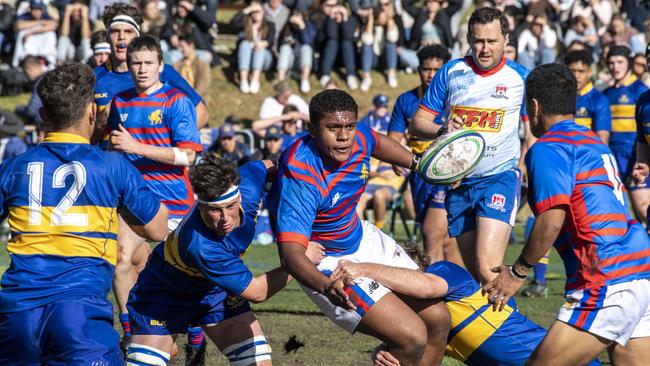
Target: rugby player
642,117
623,96
198,276
579,200
482,92
429,200
154,125
320,179
62,198
122,22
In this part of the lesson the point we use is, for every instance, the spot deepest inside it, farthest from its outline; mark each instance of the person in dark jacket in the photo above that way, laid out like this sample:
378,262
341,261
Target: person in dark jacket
296,43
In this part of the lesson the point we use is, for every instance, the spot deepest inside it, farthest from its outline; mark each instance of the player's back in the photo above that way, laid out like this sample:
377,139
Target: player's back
478,334
599,231
593,110
62,199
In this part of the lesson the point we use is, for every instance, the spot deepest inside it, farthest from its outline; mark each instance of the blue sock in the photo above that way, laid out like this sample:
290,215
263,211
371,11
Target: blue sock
126,326
195,336
540,270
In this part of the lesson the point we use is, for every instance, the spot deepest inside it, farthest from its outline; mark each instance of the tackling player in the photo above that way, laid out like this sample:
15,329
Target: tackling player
482,92
62,198
155,126
623,96
122,22
197,275
581,208
429,199
320,179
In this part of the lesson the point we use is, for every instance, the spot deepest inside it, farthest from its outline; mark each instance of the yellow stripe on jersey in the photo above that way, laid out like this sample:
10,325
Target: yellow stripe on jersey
472,335
173,257
65,240
623,125
622,110
584,121
418,146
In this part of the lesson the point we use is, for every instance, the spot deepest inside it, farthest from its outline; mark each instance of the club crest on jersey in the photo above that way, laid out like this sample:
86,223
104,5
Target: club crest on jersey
124,116
155,118
479,119
582,111
500,92
439,197
335,199
623,99
498,202
364,172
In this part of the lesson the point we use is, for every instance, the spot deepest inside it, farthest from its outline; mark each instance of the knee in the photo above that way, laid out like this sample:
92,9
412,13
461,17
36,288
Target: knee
412,342
139,355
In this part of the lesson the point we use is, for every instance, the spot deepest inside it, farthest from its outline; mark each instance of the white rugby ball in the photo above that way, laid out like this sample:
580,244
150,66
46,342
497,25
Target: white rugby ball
451,157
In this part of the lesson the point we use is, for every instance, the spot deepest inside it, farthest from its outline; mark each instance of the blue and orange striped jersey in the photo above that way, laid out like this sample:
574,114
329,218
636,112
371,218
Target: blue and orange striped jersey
600,244
111,83
197,262
593,110
478,334
642,117
164,118
622,101
62,198
403,111
312,202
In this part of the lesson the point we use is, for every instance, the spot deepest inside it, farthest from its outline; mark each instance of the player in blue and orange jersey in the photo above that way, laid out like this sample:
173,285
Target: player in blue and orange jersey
581,208
154,124
320,179
483,92
429,200
122,22
642,117
62,198
623,97
198,276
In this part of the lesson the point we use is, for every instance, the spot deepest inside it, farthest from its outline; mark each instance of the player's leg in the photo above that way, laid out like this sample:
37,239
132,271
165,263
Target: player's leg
149,349
635,353
491,243
363,204
19,338
381,198
467,248
553,350
241,340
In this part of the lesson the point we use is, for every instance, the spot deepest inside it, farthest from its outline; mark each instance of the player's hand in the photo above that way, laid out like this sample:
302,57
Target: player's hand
381,357
503,287
640,173
347,271
123,141
455,124
315,252
335,292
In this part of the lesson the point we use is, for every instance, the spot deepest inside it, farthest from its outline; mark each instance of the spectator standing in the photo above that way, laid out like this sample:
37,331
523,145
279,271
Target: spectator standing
11,145
619,32
296,42
254,49
194,70
639,41
378,118
74,35
581,29
600,11
154,21
36,34
537,44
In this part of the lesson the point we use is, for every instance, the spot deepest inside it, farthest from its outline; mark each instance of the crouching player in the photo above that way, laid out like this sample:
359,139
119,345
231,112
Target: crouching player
197,275
62,198
320,179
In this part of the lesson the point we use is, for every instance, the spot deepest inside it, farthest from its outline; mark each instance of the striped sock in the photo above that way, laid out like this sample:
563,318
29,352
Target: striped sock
195,336
540,270
126,326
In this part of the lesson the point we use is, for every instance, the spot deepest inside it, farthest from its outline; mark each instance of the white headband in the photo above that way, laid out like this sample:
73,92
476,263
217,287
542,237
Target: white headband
102,47
127,20
230,195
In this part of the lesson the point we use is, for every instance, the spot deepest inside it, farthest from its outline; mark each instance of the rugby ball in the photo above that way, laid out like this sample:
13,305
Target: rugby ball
451,157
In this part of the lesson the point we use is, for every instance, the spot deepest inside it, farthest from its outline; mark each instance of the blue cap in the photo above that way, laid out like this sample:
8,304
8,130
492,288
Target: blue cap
380,100
274,132
35,4
226,130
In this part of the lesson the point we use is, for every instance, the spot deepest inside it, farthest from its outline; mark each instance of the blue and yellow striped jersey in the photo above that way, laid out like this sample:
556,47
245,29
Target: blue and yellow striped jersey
478,334
593,110
62,199
622,102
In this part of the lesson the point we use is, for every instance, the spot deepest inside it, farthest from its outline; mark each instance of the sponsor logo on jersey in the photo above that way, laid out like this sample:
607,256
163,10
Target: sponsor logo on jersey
364,171
335,198
480,119
500,92
101,95
155,118
498,202
372,287
157,323
124,116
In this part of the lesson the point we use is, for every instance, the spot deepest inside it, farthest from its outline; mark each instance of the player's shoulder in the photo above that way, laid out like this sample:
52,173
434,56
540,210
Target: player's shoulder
639,87
518,68
644,98
127,94
454,64
459,282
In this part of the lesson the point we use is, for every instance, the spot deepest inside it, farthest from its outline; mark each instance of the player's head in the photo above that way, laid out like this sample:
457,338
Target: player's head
579,62
215,182
487,35
32,67
273,139
290,126
333,126
122,23
619,61
101,48
413,250
67,93
431,59
550,92
639,66
510,51
144,58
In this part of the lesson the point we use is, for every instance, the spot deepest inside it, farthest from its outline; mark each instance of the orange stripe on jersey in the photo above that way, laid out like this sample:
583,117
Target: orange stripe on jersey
119,104
611,231
591,173
557,200
628,271
288,237
607,217
624,257
190,145
148,130
428,109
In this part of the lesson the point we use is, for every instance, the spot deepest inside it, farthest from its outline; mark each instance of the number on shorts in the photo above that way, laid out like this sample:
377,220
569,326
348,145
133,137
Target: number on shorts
612,174
59,216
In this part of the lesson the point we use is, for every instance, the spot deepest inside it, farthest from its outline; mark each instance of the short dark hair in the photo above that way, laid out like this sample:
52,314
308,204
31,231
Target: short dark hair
212,177
31,60
65,92
433,51
113,10
145,42
97,37
187,38
621,50
487,16
583,56
413,250
330,101
554,87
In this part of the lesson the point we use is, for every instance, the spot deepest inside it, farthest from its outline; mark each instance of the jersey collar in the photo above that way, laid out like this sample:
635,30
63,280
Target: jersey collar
62,137
587,88
480,72
629,80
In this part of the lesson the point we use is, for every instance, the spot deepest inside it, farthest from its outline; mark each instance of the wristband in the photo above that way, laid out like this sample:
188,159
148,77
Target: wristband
514,272
414,162
523,262
442,130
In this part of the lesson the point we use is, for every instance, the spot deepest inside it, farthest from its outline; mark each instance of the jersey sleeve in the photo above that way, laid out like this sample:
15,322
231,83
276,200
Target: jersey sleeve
102,97
138,203
252,180
434,98
602,117
297,205
368,137
222,268
175,79
550,172
397,118
182,123
5,182
642,116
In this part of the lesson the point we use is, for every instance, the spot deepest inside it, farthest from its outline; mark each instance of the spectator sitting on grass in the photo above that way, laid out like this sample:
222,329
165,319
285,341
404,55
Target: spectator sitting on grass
194,70
254,48
34,70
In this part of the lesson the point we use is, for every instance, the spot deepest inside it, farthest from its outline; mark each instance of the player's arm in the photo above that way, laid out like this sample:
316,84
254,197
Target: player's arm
392,152
401,280
122,141
603,119
202,115
423,126
156,229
